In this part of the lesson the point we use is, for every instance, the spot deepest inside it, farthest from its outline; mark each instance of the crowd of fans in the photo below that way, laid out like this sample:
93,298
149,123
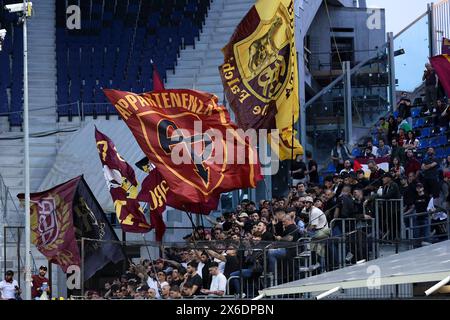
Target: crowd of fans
236,238
416,175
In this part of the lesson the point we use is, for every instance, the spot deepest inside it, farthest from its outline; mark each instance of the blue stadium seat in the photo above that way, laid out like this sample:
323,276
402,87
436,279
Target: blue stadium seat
415,112
425,132
101,55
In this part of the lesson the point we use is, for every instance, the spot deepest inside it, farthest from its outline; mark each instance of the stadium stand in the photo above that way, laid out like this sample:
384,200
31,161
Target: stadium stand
114,47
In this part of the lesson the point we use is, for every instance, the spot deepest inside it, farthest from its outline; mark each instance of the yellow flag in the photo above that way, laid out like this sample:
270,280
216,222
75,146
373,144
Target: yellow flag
288,147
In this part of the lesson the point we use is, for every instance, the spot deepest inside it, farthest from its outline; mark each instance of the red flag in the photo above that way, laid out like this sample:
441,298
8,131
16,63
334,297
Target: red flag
154,191
158,85
356,165
186,124
122,184
441,65
52,227
67,213
148,192
445,46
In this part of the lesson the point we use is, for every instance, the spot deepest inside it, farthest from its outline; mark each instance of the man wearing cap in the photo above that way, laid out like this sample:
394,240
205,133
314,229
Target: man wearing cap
317,230
317,218
390,188
40,283
245,222
9,288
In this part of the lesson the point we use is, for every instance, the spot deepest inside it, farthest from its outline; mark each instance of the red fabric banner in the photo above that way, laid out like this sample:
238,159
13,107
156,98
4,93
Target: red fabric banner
52,227
122,184
158,84
441,65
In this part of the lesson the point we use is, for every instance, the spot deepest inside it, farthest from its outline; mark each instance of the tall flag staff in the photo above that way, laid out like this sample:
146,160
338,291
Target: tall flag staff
26,139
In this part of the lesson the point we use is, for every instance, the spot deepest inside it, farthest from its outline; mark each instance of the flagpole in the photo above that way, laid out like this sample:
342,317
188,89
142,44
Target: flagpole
26,157
292,149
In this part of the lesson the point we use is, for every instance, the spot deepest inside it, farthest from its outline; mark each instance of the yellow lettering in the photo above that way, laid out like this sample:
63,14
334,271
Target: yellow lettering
192,103
185,99
209,109
244,95
158,102
103,144
232,82
235,89
132,100
143,102
122,107
175,99
165,97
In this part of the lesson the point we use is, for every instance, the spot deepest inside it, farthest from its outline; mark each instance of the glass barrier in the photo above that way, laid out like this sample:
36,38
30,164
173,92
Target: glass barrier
409,66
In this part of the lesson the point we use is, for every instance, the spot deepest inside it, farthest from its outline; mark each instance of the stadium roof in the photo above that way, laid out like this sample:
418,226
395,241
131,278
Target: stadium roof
78,155
426,264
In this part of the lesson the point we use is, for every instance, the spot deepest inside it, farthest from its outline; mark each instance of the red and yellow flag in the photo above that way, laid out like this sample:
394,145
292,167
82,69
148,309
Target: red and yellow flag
445,46
259,74
191,141
122,185
441,65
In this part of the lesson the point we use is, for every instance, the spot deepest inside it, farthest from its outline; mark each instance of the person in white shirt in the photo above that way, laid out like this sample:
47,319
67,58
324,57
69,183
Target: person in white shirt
317,229
152,283
317,219
218,283
9,288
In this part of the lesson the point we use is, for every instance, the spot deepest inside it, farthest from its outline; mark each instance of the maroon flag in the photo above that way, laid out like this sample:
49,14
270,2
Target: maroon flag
445,46
66,213
154,191
52,227
158,85
150,194
441,65
123,186
187,123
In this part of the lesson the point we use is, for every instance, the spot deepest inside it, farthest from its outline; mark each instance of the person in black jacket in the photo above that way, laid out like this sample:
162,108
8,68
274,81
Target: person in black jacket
390,211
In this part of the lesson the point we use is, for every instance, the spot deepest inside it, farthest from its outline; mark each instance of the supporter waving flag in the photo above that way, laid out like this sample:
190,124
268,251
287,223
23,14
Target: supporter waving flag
123,186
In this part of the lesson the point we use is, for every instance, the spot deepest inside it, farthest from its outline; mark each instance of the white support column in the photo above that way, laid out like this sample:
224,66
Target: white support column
27,157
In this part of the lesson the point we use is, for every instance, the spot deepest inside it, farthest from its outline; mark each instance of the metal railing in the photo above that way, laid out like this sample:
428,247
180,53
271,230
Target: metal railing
427,227
389,219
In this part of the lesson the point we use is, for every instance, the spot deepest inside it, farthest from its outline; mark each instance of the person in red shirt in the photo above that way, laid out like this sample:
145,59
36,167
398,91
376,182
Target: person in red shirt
40,283
411,163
